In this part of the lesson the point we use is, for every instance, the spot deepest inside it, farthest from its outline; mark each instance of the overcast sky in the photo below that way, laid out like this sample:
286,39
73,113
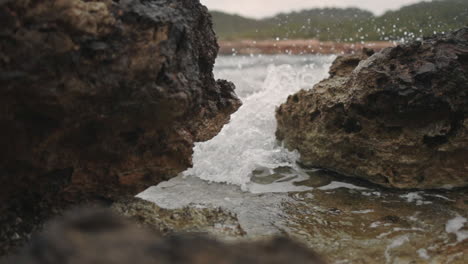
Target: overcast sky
263,8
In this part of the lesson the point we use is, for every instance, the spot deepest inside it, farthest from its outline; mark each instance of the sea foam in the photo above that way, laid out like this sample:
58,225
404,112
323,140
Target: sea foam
248,142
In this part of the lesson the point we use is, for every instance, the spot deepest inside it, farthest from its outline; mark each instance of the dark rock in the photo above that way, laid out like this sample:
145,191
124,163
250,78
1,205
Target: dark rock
98,236
397,118
102,98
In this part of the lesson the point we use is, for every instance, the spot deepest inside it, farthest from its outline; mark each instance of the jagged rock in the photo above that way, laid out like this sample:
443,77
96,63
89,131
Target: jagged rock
98,236
397,118
102,98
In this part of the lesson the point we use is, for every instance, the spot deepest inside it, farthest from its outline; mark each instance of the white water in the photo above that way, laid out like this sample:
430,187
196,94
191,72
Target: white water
455,226
248,142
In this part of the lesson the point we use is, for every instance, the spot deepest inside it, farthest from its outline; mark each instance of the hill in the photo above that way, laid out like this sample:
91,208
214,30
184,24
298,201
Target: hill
233,26
348,25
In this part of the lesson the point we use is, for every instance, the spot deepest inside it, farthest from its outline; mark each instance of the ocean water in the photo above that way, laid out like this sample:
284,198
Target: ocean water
247,148
244,171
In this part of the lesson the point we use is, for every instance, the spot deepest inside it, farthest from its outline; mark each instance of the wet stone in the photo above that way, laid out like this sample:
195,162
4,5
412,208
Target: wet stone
345,220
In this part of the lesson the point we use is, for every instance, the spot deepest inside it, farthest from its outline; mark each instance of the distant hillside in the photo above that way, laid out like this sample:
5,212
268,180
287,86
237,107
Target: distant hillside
231,26
421,19
348,25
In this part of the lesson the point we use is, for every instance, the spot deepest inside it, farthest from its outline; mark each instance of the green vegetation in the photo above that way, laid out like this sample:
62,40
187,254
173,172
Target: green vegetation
348,25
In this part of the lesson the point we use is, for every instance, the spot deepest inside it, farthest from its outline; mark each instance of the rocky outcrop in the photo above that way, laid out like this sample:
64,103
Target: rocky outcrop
96,236
102,98
397,118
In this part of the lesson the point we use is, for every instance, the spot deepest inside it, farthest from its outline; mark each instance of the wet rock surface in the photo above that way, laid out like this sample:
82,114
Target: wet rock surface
358,222
96,236
397,118
212,221
100,99
342,219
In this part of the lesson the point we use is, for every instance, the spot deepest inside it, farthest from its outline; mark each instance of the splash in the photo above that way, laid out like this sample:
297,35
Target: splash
248,142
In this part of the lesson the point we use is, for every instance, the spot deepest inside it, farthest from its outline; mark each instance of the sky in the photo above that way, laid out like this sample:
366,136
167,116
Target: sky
264,8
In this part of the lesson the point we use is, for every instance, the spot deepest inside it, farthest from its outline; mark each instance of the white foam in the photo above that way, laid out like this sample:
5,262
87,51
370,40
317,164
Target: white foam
422,252
442,197
399,229
396,243
363,211
336,185
455,226
378,194
415,197
279,187
248,141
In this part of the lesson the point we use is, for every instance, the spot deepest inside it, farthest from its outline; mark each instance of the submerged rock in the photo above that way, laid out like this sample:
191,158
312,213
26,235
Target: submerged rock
397,118
101,99
96,236
343,219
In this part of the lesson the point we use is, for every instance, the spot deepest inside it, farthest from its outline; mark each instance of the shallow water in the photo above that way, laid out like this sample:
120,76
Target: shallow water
244,171
346,221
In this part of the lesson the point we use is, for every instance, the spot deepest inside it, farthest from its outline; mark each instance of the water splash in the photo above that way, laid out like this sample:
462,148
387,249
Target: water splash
248,142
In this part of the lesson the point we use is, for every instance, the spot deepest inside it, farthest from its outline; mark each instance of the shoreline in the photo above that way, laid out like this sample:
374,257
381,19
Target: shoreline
296,47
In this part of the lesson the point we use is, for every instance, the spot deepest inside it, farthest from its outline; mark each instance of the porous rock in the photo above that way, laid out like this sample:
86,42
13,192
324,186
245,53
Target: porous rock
100,99
397,118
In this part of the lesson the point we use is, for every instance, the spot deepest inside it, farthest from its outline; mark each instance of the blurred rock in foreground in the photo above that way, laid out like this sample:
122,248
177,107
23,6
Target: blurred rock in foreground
398,118
98,236
100,99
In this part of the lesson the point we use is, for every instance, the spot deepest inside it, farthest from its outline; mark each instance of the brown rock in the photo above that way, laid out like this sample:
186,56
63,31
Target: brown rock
102,98
398,119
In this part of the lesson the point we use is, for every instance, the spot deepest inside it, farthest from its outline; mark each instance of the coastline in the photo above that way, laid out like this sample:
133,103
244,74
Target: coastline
296,47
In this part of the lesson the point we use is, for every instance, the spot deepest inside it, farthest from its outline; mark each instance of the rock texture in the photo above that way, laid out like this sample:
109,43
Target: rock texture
397,118
102,98
214,221
96,236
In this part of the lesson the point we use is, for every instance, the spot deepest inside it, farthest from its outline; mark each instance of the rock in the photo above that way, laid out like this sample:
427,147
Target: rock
101,99
397,118
214,221
98,236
